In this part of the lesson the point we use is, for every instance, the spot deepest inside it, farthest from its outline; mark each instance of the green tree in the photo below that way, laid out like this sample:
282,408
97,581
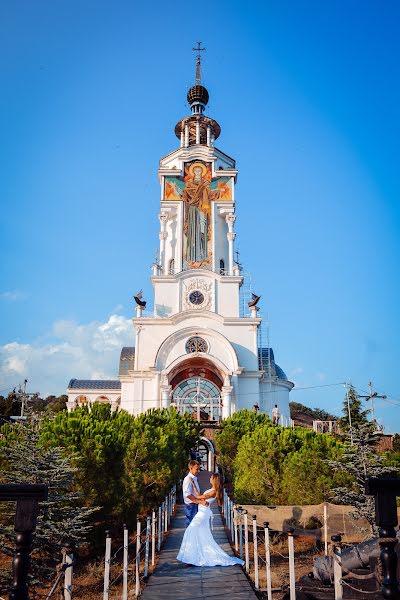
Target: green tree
360,461
357,414
276,465
61,518
10,405
305,476
158,453
396,442
97,438
126,464
232,430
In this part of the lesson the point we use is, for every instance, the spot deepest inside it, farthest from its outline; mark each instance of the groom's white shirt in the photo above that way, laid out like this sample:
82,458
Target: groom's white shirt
187,488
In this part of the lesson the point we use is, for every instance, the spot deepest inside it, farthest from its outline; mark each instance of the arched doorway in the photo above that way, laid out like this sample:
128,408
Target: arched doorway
206,454
196,389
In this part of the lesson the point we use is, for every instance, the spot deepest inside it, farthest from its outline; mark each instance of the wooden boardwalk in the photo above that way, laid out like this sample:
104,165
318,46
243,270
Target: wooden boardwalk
174,580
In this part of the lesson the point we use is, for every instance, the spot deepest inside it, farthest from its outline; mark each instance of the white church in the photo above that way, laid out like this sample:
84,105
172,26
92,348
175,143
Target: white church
201,349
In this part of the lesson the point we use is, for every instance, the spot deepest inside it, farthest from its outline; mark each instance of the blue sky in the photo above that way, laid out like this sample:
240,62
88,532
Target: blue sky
307,94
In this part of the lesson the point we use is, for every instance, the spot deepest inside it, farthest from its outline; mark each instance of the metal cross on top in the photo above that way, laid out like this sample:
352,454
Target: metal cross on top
199,49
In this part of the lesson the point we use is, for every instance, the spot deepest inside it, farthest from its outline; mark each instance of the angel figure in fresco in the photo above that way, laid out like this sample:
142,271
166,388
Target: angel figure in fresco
197,196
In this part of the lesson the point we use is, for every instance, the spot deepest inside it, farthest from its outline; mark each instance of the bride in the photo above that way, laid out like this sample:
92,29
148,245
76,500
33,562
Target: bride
198,545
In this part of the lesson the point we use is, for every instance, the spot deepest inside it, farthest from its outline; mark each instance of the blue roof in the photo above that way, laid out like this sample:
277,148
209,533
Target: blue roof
94,384
267,363
126,360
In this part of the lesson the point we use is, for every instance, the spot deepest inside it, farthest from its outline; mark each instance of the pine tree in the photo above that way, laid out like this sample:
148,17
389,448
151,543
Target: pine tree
359,461
61,519
358,416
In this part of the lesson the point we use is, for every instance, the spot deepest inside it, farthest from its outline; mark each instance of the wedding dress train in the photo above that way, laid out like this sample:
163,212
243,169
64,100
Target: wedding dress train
198,545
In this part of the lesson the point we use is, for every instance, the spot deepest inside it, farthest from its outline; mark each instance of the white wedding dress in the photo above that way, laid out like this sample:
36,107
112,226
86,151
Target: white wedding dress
198,545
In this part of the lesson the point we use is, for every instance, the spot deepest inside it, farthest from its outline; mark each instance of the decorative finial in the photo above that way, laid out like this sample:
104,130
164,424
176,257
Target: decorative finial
198,62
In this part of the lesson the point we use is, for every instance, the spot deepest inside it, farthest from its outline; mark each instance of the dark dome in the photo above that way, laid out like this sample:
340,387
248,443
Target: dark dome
197,93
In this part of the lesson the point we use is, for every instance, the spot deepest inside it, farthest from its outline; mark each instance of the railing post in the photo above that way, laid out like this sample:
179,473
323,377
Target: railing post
166,514
337,566
107,564
246,539
147,551
292,577
27,497
385,492
255,546
240,525
125,565
232,519
235,523
267,561
68,560
326,528
137,561
159,527
153,538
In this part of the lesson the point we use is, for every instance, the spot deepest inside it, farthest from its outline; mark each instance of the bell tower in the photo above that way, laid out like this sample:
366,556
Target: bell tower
197,216
199,349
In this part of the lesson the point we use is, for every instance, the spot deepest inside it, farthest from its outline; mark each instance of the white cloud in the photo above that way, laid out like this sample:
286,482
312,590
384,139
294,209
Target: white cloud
82,351
297,371
12,296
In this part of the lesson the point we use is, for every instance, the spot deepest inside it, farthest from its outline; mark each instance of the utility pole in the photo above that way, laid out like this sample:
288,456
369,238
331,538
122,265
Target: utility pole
23,397
371,397
349,412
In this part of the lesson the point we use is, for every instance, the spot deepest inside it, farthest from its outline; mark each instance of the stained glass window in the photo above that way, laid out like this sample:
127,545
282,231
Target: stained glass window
196,344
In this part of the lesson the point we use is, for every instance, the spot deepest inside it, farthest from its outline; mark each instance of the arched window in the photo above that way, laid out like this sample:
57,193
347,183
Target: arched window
81,400
171,268
222,267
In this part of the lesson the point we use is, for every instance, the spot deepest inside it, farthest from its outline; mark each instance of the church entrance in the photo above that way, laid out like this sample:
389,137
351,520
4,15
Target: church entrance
199,397
197,391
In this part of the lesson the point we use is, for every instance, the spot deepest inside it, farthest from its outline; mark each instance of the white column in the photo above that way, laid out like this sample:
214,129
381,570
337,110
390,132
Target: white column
137,347
182,138
166,397
163,236
212,139
226,395
208,135
230,219
186,136
197,132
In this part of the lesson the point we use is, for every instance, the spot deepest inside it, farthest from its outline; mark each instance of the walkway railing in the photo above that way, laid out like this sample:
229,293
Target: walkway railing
248,538
146,542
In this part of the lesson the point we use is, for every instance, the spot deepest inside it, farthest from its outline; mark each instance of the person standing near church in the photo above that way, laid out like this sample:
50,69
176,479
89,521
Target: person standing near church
276,415
189,495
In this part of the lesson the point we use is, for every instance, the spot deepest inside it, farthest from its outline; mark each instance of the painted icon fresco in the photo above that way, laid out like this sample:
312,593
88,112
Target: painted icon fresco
174,186
197,189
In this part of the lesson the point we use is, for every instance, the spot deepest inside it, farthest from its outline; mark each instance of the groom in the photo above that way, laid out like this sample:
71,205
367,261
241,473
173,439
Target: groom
189,498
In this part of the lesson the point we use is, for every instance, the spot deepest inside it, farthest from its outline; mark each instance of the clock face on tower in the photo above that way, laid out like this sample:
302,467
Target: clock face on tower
196,297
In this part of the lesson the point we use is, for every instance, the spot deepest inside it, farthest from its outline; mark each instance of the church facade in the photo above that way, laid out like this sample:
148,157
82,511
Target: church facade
200,349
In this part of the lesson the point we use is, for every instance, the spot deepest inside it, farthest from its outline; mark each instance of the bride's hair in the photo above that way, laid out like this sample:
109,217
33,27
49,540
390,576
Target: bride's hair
217,485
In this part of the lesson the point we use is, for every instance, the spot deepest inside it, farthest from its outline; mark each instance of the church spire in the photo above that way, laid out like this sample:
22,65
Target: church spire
199,49
197,128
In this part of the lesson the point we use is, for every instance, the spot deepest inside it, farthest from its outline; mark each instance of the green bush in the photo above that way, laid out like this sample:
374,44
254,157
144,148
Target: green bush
232,430
126,464
276,465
